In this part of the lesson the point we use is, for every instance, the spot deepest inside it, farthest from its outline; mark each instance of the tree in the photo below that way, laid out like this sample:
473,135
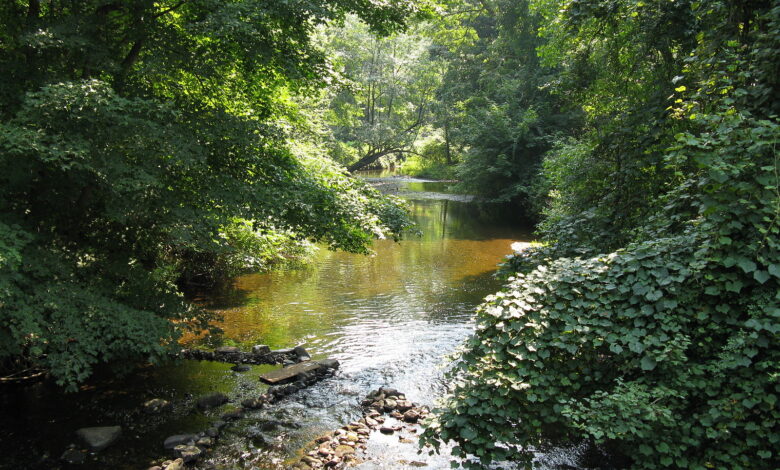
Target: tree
132,133
384,98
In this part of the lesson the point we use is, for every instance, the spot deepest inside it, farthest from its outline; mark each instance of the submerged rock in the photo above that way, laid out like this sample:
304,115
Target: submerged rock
73,457
178,439
156,405
187,453
98,438
212,400
240,368
237,413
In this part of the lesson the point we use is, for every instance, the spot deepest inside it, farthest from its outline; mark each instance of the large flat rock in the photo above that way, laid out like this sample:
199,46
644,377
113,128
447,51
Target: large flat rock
288,373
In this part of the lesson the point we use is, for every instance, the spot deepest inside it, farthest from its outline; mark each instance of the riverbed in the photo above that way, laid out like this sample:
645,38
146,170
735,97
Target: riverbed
389,318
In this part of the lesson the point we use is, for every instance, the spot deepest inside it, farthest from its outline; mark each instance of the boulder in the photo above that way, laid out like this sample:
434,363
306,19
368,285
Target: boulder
212,400
98,438
260,349
178,439
227,350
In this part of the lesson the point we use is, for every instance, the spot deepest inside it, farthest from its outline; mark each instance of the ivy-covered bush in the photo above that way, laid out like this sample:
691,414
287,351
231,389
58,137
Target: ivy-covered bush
667,349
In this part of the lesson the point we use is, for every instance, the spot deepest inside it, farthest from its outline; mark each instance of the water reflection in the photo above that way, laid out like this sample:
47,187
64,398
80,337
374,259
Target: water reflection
389,318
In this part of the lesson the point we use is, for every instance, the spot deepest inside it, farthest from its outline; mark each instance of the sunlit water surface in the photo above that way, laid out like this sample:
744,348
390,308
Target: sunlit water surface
389,318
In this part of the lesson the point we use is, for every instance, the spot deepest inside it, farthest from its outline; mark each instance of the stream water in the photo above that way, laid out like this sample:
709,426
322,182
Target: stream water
388,318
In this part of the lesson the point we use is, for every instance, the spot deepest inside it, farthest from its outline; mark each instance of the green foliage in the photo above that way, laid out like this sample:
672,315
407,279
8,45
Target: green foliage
384,94
649,321
133,136
496,102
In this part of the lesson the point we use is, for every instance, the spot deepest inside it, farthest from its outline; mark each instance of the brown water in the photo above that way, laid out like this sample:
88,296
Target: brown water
389,318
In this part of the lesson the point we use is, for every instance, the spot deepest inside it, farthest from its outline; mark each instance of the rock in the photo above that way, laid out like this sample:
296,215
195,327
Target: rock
390,404
261,349
177,464
177,440
322,439
205,442
404,405
301,353
227,350
404,440
212,432
212,400
329,363
156,467
389,392
251,403
288,373
396,415
156,405
386,430
240,368
238,413
98,438
412,416
73,457
311,461
352,437
378,405
187,453
343,450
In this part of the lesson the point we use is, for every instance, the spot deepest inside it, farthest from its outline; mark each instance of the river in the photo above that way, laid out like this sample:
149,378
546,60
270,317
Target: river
389,318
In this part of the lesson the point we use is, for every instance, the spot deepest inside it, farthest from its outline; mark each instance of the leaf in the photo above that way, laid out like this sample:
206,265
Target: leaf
774,269
761,276
648,363
747,265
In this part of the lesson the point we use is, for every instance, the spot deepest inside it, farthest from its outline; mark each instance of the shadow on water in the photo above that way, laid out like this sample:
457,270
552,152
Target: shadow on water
389,318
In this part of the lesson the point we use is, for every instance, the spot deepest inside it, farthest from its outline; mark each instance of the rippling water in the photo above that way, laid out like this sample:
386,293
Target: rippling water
389,318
